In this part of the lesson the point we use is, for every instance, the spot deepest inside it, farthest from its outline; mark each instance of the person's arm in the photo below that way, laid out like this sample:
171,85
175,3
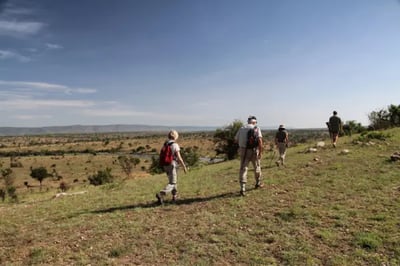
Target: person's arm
287,139
236,138
180,161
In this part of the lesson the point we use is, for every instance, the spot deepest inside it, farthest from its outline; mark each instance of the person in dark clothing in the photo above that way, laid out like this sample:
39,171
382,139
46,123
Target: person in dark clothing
335,127
281,141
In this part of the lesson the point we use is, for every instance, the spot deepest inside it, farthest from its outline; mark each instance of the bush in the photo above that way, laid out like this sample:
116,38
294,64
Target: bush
63,186
367,136
385,118
39,173
224,140
155,167
368,241
190,156
102,177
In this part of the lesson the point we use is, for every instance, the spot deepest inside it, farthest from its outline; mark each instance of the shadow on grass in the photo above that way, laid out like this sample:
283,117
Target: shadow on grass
184,201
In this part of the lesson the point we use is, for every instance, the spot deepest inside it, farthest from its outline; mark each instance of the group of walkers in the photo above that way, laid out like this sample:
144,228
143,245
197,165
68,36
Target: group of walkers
249,140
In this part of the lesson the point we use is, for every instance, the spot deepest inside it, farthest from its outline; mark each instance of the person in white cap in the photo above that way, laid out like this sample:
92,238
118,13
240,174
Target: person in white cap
250,142
281,141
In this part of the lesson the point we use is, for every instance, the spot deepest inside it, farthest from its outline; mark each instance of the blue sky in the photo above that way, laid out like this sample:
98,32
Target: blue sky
197,63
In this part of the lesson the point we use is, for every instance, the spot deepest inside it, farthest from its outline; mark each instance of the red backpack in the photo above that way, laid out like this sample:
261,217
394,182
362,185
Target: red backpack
166,154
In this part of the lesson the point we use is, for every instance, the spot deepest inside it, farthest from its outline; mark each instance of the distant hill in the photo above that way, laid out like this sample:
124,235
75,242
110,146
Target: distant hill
19,131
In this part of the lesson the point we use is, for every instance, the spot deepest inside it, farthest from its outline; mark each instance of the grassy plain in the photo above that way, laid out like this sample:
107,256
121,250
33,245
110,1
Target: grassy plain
322,208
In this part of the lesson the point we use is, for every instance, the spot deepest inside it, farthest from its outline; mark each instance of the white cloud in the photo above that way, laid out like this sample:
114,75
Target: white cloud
113,112
53,46
32,117
17,11
4,55
32,50
46,86
20,28
23,104
84,90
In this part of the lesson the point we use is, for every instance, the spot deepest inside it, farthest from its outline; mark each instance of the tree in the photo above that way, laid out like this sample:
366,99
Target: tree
102,177
9,188
379,119
394,115
155,167
39,173
385,118
127,163
353,127
190,155
224,140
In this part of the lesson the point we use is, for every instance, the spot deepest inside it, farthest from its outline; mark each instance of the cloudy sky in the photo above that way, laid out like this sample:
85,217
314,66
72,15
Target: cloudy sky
197,62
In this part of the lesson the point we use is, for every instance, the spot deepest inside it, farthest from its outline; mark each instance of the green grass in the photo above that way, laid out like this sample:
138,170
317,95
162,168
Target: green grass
337,210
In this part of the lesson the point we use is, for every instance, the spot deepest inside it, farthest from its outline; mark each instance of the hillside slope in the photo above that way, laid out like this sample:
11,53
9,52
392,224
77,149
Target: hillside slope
323,208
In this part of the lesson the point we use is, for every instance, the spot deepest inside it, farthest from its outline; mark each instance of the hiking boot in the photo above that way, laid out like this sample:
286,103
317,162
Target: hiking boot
242,193
259,185
174,197
159,199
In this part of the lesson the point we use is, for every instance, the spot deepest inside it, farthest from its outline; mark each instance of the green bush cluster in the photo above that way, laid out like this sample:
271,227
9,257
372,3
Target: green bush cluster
373,135
8,188
101,177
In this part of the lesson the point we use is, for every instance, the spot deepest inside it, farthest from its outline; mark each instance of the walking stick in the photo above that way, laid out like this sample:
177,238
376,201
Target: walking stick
272,157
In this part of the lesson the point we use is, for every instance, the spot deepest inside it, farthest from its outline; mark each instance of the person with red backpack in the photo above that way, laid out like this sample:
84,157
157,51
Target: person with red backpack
250,142
170,159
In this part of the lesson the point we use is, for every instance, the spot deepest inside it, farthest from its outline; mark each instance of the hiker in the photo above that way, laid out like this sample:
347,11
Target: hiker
335,127
249,138
170,166
281,141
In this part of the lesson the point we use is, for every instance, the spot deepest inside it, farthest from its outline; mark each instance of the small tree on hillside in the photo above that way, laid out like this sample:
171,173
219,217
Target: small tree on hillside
39,173
155,167
191,156
394,115
102,177
127,163
8,188
353,127
385,118
224,140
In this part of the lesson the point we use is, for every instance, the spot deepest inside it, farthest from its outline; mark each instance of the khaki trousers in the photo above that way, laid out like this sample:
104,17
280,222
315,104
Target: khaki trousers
172,173
247,156
282,151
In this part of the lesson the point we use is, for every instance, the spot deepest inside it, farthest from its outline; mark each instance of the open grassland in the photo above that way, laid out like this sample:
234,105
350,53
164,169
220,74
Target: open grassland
75,157
322,208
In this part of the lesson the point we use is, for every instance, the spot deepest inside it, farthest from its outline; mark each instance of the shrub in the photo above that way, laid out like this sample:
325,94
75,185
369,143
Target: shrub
39,173
127,162
2,194
369,241
63,186
190,156
225,140
385,118
8,188
102,177
367,136
12,193
155,167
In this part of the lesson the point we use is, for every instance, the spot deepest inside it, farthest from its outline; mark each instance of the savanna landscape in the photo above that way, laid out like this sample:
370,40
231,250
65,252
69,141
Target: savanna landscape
326,206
